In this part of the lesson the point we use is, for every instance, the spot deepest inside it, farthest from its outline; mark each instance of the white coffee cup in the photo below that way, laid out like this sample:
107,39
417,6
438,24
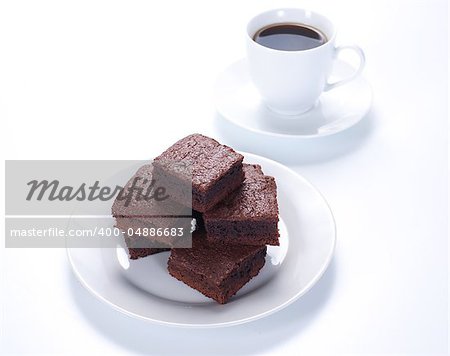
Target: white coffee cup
291,82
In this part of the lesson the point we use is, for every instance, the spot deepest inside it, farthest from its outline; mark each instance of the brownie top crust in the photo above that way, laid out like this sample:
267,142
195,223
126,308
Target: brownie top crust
145,206
208,159
215,261
255,199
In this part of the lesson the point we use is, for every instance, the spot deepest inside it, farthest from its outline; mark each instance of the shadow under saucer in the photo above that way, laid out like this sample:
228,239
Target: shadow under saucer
292,150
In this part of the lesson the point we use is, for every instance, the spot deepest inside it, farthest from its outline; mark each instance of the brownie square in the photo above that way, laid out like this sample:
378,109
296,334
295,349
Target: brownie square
214,269
136,253
137,215
144,180
249,216
140,252
215,170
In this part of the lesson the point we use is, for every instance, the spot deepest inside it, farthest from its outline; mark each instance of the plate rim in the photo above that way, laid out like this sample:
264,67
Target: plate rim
266,313
285,135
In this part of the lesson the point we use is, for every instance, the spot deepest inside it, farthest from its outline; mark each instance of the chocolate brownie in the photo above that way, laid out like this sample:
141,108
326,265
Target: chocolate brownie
136,253
145,183
135,215
213,170
249,216
214,269
139,252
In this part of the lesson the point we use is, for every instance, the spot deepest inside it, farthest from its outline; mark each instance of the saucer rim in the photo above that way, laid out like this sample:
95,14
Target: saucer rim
286,135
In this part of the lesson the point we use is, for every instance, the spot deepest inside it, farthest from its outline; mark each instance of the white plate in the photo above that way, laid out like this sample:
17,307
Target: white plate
145,290
238,101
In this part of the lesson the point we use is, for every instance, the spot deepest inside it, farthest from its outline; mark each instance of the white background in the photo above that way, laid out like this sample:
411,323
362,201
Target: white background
122,80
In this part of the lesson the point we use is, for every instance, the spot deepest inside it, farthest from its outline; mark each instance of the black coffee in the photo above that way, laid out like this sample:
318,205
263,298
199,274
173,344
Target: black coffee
289,37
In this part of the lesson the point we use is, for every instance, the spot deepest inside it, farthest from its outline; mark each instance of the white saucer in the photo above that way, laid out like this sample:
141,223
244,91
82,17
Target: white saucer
238,101
144,289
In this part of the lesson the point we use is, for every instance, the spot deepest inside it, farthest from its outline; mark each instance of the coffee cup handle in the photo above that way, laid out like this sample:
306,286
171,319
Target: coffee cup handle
362,61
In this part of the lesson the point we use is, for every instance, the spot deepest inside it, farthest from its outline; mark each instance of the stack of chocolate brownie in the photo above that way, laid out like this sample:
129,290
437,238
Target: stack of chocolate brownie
236,209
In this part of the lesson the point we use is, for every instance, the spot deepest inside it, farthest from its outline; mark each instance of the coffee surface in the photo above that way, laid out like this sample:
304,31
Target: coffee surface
289,37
